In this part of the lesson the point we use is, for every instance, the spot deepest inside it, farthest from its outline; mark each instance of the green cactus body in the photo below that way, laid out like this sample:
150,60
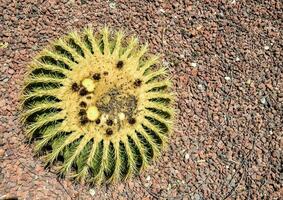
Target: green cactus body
97,106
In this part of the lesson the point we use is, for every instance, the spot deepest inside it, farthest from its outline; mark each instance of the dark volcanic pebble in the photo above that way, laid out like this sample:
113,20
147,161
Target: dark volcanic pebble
225,59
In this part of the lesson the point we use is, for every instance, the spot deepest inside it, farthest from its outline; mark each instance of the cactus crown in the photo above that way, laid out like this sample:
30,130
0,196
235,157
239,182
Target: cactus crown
97,106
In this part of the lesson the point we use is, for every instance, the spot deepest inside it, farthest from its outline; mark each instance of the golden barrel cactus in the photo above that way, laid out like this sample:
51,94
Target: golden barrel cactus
97,106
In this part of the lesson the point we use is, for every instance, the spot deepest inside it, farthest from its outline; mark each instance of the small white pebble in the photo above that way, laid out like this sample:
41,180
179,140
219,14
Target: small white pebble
115,121
263,101
249,81
201,87
237,59
112,5
194,64
166,64
92,192
162,10
227,78
147,185
266,47
148,178
187,156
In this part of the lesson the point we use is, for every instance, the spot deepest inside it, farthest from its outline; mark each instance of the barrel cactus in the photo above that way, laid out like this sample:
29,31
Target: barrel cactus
97,106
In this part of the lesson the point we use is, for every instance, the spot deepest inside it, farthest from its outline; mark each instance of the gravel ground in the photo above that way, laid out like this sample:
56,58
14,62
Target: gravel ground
225,58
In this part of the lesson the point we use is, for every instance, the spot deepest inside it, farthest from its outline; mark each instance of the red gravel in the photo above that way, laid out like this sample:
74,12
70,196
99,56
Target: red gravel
225,58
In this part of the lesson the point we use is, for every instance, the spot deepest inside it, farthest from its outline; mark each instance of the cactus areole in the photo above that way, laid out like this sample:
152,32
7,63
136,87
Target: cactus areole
97,106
